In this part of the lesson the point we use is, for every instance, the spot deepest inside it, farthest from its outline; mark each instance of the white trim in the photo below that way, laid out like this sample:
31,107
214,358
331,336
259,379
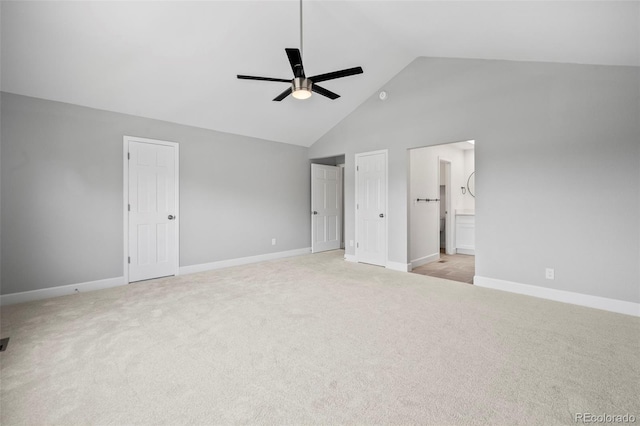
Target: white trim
424,260
398,266
386,207
64,290
341,167
125,198
350,258
125,209
449,242
192,269
471,252
612,305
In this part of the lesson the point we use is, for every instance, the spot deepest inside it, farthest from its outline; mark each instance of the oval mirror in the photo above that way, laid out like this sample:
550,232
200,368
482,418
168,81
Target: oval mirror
471,184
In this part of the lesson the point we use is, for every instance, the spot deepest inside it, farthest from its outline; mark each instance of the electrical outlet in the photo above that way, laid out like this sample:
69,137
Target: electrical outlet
351,243
273,241
549,273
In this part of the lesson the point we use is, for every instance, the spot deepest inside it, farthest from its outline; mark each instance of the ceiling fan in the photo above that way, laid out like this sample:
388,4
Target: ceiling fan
301,85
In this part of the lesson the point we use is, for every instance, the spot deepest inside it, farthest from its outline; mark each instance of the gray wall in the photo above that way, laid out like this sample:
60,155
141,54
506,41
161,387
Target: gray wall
557,164
61,195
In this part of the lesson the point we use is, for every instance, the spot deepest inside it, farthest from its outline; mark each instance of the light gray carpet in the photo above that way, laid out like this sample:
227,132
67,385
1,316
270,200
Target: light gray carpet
309,340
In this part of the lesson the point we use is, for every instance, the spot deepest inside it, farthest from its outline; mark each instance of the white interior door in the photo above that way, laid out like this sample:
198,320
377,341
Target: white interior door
371,208
445,203
326,207
152,210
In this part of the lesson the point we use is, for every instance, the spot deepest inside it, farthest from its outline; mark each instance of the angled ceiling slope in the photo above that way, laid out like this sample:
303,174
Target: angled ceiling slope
177,61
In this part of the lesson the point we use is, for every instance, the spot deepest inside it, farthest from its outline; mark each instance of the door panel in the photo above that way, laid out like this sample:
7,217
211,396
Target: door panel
152,199
326,207
371,208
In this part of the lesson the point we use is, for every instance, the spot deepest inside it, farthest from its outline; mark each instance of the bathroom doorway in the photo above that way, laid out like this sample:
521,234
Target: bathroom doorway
442,211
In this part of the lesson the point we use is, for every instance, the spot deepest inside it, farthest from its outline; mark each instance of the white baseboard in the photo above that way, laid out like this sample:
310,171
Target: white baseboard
63,290
424,260
612,305
471,252
242,261
398,266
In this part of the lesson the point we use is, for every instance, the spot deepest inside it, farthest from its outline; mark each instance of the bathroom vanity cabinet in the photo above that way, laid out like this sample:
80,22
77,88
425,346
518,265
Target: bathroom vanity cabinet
465,232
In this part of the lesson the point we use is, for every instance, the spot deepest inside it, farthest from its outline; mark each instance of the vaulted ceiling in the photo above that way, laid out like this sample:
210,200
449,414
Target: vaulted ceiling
177,61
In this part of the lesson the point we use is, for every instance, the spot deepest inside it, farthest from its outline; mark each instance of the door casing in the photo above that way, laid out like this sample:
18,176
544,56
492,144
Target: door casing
445,163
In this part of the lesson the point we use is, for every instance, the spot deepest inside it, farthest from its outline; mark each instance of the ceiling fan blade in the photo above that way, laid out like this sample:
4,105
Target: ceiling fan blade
250,77
282,95
324,92
336,74
295,59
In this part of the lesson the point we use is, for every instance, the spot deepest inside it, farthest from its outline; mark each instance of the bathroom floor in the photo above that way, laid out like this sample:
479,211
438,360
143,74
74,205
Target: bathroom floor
455,267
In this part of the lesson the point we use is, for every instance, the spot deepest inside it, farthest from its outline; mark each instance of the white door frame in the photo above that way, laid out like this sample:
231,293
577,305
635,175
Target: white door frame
386,207
125,198
341,166
448,224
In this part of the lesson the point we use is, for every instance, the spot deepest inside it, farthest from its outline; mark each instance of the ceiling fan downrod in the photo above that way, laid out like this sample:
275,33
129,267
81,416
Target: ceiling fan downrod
301,28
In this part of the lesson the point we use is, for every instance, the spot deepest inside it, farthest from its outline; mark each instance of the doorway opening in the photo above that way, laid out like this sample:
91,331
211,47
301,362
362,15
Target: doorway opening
442,211
327,203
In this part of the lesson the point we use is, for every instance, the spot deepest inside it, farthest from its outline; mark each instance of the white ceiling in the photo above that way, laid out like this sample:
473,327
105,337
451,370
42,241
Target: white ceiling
177,61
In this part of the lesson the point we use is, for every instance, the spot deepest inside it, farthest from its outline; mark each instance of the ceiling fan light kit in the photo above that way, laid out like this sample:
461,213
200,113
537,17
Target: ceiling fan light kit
301,86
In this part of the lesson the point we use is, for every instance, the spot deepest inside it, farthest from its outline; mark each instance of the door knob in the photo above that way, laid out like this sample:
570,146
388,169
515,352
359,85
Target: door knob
381,214
315,212
171,217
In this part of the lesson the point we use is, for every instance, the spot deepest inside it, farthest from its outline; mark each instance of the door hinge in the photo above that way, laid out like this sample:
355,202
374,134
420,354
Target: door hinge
357,245
357,168
129,259
357,206
129,207
128,156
